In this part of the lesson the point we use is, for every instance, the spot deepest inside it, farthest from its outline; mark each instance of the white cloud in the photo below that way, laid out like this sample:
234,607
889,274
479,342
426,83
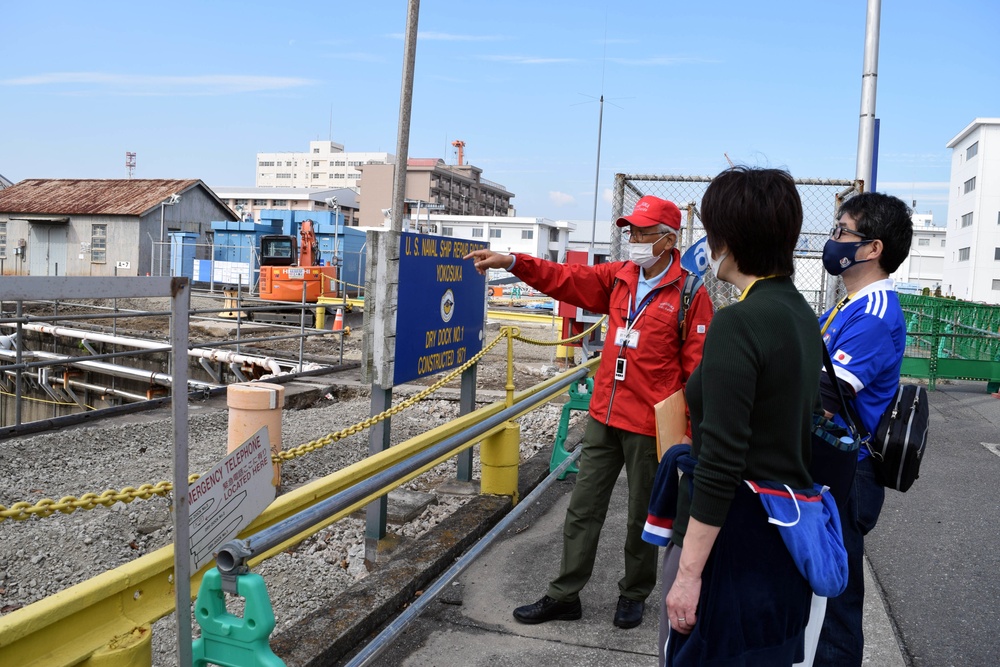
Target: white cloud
142,84
561,198
659,60
527,60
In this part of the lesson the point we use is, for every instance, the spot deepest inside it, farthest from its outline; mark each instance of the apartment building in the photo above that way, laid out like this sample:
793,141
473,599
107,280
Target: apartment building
972,252
325,165
924,266
450,189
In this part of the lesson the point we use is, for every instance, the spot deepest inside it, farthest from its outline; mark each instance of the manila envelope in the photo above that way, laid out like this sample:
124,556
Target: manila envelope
671,422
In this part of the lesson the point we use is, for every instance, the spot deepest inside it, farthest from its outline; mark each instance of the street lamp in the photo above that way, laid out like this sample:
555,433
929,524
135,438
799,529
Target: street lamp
169,201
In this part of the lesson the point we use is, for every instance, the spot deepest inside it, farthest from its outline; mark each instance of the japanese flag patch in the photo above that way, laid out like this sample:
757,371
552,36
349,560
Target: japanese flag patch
842,357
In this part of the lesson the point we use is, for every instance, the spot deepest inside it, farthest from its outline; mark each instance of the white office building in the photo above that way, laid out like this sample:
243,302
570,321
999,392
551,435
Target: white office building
924,266
539,237
972,254
325,165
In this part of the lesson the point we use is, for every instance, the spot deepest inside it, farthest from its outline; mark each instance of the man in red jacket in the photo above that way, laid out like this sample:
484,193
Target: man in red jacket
648,355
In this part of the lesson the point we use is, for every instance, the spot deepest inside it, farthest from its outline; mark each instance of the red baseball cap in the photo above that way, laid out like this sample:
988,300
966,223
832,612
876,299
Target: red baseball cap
651,211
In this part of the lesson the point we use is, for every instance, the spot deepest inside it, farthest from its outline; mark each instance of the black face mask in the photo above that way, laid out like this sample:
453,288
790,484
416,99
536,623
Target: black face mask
838,257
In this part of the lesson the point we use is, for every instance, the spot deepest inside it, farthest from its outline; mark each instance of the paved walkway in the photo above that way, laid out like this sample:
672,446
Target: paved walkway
472,624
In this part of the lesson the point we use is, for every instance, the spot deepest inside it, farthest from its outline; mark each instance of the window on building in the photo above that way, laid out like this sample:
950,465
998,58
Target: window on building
338,175
315,175
971,151
98,244
527,233
963,254
340,163
315,150
495,233
996,284
967,220
477,232
3,239
996,254
447,231
242,202
970,185
281,202
260,202
315,163
923,241
282,175
354,176
288,164
943,241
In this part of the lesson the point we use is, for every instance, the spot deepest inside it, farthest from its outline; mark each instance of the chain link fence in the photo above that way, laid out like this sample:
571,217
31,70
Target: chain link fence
820,201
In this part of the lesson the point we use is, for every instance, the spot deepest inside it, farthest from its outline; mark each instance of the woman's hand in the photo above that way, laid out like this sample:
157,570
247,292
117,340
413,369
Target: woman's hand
682,600
682,603
487,259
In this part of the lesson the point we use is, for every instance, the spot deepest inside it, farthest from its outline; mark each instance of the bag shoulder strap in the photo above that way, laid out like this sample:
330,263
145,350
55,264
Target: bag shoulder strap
691,284
848,413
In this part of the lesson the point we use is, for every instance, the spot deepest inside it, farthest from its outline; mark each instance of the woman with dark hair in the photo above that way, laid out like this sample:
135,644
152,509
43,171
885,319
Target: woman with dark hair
736,595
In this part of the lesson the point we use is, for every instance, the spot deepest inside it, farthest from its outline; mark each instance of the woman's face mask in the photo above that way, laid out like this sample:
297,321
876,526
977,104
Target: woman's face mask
716,263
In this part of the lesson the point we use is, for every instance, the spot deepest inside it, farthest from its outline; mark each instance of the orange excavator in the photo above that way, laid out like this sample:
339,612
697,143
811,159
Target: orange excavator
286,265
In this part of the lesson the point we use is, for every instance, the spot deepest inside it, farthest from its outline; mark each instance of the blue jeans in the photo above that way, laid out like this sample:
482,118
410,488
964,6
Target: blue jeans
842,640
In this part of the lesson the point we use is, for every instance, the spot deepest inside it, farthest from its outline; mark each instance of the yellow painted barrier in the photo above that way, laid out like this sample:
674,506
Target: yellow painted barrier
90,620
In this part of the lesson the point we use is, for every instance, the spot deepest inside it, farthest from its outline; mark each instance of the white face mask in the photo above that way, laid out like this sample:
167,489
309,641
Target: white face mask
642,254
716,264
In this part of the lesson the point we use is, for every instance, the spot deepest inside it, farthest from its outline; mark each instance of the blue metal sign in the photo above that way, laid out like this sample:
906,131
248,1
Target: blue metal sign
441,308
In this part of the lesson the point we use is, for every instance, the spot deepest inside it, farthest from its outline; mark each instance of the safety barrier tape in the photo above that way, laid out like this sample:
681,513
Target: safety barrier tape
22,511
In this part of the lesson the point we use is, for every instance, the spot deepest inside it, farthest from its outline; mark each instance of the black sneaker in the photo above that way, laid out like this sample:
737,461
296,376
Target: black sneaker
629,613
548,609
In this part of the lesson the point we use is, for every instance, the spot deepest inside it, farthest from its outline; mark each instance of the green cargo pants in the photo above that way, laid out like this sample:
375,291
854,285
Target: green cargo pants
605,451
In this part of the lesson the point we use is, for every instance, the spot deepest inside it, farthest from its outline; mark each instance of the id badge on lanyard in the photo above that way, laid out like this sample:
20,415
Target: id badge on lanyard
626,336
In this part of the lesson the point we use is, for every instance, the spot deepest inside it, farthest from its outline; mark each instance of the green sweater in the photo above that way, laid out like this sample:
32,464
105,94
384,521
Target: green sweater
752,400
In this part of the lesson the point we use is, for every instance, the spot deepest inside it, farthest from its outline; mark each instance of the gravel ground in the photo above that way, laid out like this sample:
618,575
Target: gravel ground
40,557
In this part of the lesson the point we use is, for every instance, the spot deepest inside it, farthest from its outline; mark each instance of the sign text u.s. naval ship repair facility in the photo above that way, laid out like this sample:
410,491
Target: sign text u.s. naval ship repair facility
441,306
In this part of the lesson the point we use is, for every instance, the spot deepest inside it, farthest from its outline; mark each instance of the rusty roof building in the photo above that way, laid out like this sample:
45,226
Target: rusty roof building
103,227
93,196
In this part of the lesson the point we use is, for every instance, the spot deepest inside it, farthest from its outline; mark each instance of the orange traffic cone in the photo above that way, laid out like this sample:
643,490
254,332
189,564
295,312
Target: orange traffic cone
338,321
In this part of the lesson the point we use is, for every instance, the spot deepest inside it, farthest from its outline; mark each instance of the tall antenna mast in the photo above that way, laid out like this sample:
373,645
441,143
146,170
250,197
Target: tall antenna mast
130,164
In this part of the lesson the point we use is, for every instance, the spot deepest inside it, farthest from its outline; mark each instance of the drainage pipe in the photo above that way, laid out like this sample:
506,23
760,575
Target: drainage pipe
140,343
152,377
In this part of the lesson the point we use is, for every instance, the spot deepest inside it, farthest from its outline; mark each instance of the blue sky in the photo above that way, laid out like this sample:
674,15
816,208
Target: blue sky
197,89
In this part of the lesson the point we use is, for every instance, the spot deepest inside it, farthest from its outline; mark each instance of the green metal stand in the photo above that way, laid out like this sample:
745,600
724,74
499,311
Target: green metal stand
578,400
227,640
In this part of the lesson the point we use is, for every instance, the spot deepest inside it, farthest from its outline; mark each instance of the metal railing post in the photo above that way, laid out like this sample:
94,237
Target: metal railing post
378,441
180,304
302,324
467,404
20,358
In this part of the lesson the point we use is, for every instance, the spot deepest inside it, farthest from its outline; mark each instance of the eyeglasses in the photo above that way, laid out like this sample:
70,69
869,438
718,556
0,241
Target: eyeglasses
629,235
839,230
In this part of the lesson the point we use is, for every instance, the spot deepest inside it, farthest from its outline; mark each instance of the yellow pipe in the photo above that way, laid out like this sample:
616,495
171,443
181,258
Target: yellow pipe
71,625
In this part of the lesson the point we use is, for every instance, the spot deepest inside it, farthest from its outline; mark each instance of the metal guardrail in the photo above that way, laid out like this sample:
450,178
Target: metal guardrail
69,627
232,557
381,642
